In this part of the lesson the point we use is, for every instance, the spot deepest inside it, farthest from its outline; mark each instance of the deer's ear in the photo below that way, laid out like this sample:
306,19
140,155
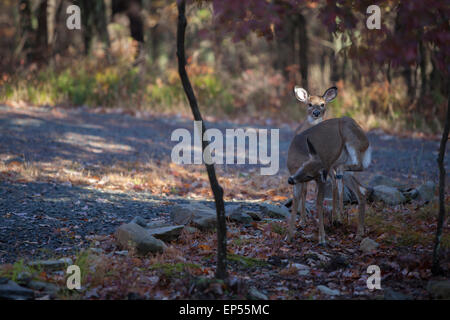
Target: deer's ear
311,149
330,94
301,94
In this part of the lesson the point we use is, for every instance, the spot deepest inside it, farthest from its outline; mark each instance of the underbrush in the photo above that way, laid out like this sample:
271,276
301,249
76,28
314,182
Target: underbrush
112,81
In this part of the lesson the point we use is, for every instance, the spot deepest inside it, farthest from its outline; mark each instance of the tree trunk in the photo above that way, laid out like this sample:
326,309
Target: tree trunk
436,268
136,23
41,46
86,20
285,46
221,270
101,22
303,52
407,74
154,35
26,31
52,8
423,71
334,68
407,71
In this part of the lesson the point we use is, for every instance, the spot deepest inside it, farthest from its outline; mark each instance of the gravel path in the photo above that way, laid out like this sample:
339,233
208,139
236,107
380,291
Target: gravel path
48,219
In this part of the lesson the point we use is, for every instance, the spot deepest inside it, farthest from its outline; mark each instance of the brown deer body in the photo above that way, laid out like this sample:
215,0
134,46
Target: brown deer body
334,143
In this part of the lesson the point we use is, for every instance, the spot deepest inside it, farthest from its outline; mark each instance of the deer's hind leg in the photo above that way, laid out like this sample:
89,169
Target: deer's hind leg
359,192
355,159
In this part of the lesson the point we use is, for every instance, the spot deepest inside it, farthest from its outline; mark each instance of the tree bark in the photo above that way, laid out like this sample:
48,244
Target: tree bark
303,52
221,269
436,268
86,20
101,23
285,44
334,68
41,46
26,30
423,71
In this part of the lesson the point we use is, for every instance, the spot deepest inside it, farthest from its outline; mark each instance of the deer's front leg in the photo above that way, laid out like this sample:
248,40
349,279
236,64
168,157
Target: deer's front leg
319,205
293,216
335,196
303,189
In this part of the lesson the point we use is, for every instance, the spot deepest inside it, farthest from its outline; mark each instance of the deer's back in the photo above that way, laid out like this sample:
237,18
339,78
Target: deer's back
325,137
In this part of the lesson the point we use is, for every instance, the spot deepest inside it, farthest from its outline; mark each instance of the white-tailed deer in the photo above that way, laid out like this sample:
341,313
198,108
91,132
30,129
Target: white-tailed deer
316,108
334,143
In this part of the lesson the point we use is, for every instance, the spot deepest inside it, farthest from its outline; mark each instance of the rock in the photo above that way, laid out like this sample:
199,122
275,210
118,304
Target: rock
48,288
439,289
96,250
316,256
256,216
367,245
198,214
299,266
303,270
390,294
238,215
309,206
336,263
190,229
328,291
23,278
273,211
157,224
349,196
388,195
139,221
121,253
51,265
411,194
241,217
425,192
205,223
385,181
12,291
254,294
166,233
131,235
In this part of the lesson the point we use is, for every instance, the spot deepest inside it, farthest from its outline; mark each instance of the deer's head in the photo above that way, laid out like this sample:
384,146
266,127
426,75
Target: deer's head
310,170
316,104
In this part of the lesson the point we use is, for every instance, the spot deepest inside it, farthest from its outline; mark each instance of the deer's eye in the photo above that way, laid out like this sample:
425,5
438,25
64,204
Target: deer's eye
322,105
310,104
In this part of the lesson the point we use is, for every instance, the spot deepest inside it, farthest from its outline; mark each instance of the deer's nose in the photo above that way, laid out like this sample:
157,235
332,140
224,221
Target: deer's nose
316,113
291,180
